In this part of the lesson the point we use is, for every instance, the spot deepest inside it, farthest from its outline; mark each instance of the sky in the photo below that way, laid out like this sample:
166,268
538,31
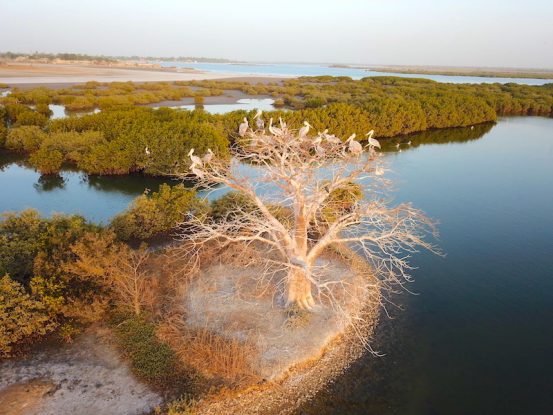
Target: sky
484,33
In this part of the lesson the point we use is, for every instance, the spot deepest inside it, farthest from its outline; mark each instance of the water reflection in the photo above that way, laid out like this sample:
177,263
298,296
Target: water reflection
445,136
49,182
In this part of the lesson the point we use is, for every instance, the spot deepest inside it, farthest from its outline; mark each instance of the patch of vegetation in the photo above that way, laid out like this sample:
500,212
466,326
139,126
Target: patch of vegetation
157,212
151,360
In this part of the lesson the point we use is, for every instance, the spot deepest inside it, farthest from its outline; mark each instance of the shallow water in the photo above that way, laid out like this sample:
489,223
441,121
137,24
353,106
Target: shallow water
247,104
477,338
354,73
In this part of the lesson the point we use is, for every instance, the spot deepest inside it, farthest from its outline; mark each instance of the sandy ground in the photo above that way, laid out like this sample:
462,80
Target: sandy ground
325,352
87,377
43,74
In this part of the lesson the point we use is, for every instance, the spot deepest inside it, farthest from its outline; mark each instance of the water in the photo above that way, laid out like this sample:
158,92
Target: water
247,104
477,339
293,70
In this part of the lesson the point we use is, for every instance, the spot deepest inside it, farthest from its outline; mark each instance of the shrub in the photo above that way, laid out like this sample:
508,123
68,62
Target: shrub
158,212
151,359
21,316
47,161
225,207
25,139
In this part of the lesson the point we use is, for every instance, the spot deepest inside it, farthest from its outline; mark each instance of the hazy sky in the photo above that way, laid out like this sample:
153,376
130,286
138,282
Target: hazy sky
419,32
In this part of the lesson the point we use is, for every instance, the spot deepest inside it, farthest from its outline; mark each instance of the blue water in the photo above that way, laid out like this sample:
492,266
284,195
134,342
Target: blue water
477,339
293,70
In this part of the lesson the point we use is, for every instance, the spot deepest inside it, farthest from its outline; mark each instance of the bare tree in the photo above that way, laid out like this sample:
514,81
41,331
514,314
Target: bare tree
304,175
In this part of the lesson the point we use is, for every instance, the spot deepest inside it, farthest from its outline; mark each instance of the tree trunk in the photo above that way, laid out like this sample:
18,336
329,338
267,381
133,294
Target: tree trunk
299,289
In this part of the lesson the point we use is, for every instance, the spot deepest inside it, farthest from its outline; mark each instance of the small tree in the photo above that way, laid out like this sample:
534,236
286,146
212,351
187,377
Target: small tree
319,179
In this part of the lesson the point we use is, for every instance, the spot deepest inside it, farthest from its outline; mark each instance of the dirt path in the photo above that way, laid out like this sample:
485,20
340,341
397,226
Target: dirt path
87,377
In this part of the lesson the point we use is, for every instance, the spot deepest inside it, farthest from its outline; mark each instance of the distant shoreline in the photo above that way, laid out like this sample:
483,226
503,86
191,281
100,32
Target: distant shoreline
32,75
481,73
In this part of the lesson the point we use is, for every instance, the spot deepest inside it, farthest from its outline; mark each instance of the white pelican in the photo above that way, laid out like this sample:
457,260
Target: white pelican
372,141
282,123
207,156
197,173
196,161
243,128
259,123
274,130
317,143
379,171
354,146
305,129
409,142
147,151
397,145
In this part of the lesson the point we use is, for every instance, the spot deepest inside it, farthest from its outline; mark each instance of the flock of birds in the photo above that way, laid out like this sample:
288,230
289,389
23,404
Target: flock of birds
354,147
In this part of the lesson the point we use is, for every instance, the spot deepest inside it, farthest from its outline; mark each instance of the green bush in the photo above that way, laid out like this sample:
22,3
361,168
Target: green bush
21,316
224,208
151,359
25,139
152,214
47,161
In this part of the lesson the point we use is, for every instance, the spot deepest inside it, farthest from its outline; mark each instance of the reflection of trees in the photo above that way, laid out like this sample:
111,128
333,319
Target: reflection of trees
7,158
48,182
132,184
442,136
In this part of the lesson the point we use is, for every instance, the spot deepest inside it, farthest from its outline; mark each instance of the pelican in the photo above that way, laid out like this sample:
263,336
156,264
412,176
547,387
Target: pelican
207,156
147,151
259,123
282,123
379,171
372,141
196,161
354,146
472,127
317,143
197,173
409,142
243,128
305,129
397,145
274,130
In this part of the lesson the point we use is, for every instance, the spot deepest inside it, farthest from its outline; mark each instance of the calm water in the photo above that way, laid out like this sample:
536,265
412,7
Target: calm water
354,73
247,104
478,337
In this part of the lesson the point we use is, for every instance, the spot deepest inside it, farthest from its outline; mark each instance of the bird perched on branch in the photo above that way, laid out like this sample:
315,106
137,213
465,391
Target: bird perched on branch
242,128
353,146
207,156
259,123
305,129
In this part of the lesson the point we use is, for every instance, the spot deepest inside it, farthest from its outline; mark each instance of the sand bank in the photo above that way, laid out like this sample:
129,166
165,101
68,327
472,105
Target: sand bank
46,74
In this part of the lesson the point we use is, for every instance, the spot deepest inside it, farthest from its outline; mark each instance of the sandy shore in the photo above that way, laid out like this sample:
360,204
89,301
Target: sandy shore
33,75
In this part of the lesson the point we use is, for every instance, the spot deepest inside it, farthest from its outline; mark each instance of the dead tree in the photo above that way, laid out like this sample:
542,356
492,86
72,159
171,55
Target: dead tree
302,174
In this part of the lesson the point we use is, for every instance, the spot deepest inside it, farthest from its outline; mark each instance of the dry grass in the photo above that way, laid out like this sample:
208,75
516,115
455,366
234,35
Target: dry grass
217,358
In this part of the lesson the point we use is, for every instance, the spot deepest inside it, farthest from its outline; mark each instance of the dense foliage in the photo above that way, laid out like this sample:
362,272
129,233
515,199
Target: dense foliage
157,212
33,257
123,138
